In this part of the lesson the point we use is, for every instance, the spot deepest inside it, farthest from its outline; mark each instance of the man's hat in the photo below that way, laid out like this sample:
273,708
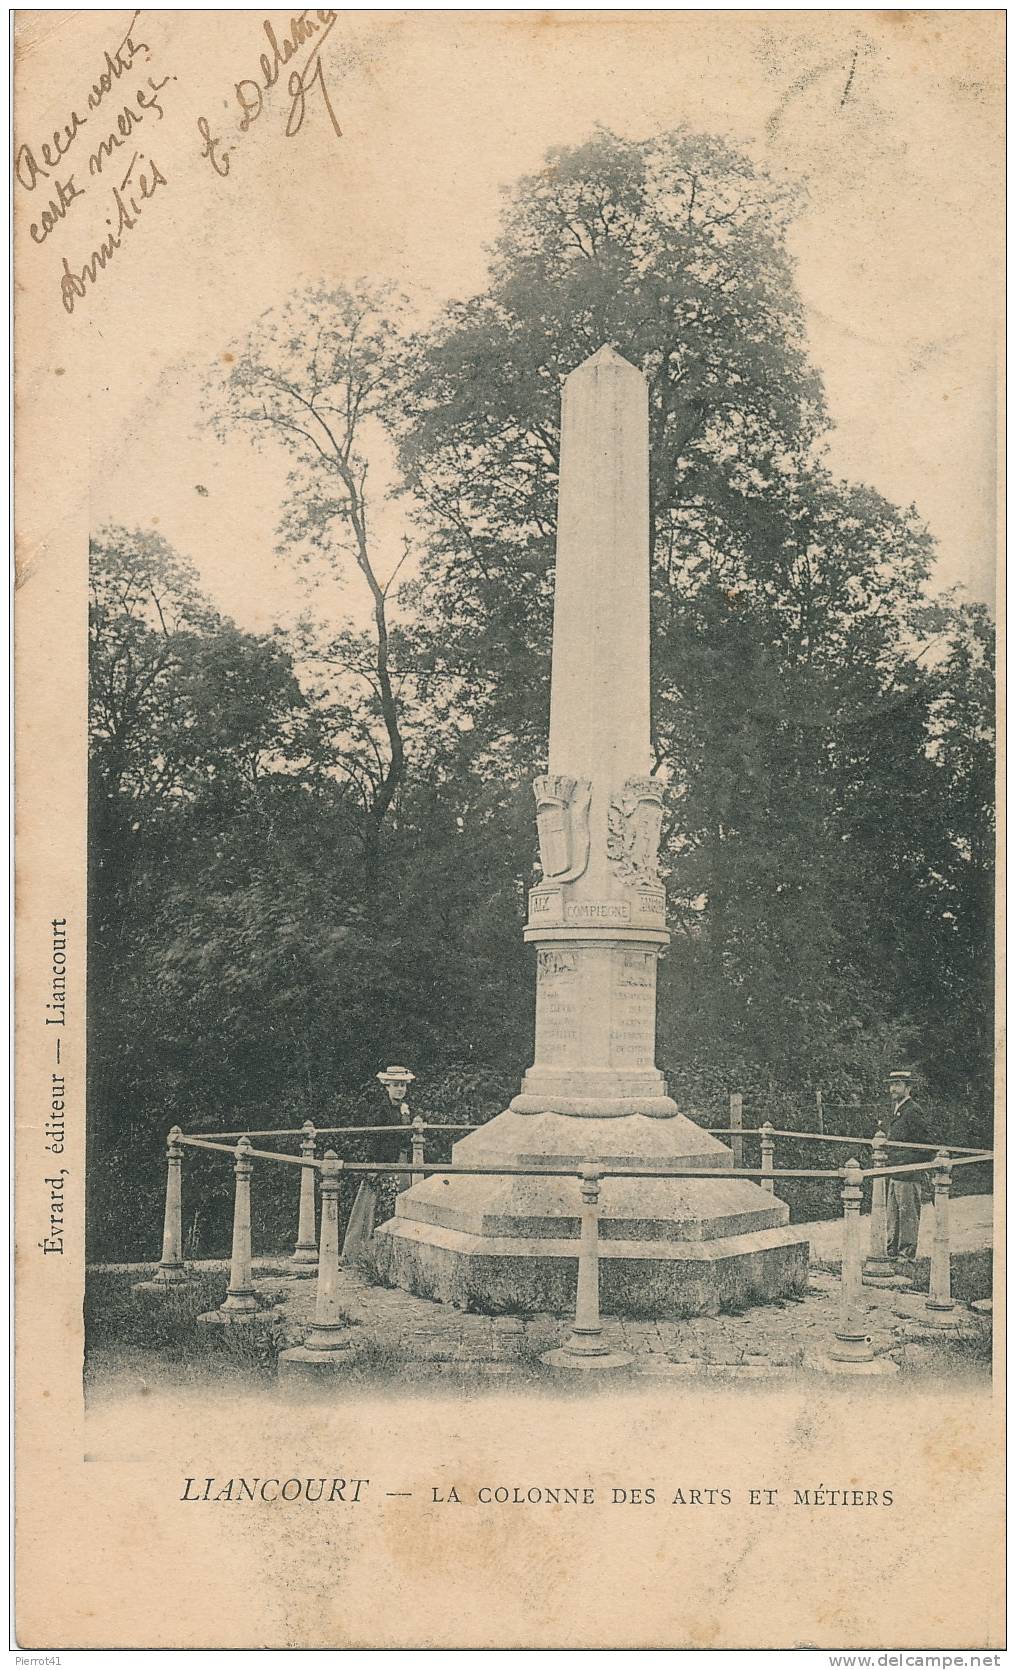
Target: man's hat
901,1076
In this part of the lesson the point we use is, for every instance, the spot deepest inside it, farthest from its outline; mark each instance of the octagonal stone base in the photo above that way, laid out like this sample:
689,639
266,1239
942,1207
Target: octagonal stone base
668,1247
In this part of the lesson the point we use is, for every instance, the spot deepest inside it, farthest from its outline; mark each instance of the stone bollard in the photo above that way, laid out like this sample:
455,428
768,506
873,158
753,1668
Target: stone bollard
418,1141
305,1254
402,1178
327,1346
172,1272
736,1124
585,1347
768,1152
240,1303
940,1310
851,1352
879,1268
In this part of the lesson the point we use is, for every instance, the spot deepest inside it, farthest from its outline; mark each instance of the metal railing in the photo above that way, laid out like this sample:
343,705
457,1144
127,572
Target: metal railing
850,1345
874,1109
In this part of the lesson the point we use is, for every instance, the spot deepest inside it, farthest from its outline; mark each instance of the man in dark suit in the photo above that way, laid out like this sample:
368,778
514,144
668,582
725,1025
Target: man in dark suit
903,1196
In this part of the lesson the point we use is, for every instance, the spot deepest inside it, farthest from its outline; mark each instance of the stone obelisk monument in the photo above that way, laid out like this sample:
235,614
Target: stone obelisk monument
596,918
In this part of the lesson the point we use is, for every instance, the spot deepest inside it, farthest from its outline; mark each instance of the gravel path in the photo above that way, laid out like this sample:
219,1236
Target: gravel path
403,1334
970,1227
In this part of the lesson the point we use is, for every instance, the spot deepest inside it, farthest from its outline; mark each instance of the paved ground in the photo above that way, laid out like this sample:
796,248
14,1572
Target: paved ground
398,1335
401,1334
766,1341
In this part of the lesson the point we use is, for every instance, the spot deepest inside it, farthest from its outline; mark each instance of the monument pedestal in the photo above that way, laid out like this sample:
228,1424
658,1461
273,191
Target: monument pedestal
668,1248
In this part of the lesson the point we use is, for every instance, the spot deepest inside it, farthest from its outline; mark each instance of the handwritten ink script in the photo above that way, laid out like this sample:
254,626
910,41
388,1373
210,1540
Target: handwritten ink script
251,93
101,153
101,139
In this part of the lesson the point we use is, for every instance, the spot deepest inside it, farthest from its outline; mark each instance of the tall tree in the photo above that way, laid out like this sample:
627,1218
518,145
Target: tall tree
956,992
312,377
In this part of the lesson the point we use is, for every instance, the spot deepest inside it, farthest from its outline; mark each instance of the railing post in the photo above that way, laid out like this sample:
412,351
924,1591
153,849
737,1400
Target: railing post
171,1266
940,1310
768,1151
331,1329
305,1254
240,1303
736,1122
851,1350
585,1347
326,1347
819,1114
171,1272
402,1178
240,1299
418,1141
879,1268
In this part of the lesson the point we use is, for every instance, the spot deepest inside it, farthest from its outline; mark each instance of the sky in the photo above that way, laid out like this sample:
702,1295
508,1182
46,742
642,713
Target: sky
889,120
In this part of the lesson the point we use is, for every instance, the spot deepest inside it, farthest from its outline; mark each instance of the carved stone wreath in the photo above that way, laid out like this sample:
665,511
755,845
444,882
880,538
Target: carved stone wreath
634,822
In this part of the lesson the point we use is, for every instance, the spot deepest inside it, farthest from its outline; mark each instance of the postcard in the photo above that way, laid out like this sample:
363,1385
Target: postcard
508,1128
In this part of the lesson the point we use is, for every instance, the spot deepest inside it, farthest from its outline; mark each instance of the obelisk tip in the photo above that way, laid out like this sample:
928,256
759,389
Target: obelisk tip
606,358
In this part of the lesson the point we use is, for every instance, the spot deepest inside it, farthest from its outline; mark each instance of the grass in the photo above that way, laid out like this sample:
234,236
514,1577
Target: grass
155,1337
970,1275
960,1355
366,1266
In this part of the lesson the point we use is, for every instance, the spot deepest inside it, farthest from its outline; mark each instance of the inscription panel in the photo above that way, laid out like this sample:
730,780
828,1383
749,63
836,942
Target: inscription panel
598,910
558,1027
633,1009
651,902
545,906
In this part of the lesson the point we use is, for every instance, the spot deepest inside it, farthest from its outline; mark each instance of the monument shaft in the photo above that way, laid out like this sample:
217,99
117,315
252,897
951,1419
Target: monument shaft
599,693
